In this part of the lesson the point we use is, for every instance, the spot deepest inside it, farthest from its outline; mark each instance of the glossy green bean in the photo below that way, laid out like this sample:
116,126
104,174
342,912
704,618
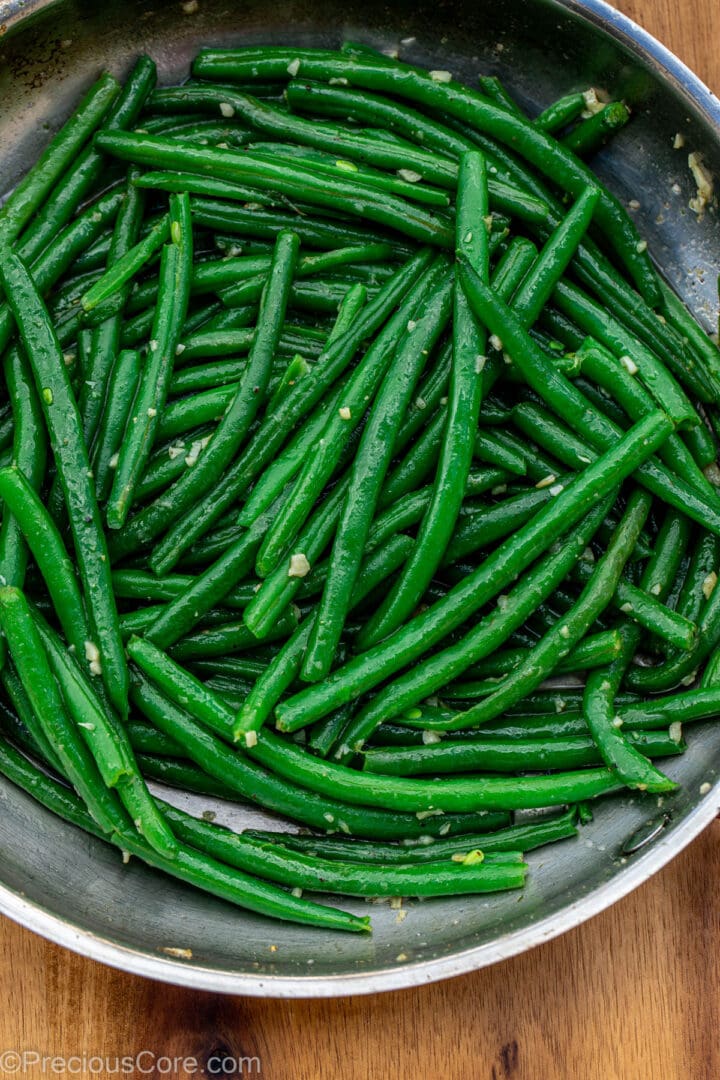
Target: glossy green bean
452,99
344,878
387,210
71,458
499,756
269,438
590,134
121,391
28,195
360,389
509,559
50,554
286,665
128,265
152,389
515,838
28,654
464,398
367,475
242,775
29,452
188,865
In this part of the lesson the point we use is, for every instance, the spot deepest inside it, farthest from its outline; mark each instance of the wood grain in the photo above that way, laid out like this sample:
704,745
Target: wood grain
634,993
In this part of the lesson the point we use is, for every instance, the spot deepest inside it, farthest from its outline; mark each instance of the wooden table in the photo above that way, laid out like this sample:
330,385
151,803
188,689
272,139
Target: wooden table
634,993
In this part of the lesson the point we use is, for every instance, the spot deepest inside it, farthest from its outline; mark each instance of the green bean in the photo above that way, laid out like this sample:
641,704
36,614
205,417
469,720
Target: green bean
141,585
618,752
82,175
683,666
28,654
617,378
28,195
346,102
146,739
491,451
105,337
163,670
29,452
500,756
243,776
188,864
417,465
524,838
241,411
216,214
303,294
270,436
539,149
681,708
512,268
561,113
343,878
323,735
431,391
128,265
643,608
48,267
434,291
207,376
281,586
699,579
540,426
437,670
388,210
207,343
493,88
185,610
709,679
286,665
464,400
108,743
192,129
702,444
593,651
406,182
595,320
555,389
573,625
171,461
71,459
589,135
601,690
121,392
317,295
420,796
506,562
152,389
478,527
287,464
701,344
49,551
24,728
231,637
368,473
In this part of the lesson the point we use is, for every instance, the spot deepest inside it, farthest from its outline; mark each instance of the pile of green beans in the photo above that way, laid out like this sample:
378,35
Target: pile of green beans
355,464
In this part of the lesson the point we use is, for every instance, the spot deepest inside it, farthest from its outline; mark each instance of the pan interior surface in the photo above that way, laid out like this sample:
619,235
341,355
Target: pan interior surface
75,889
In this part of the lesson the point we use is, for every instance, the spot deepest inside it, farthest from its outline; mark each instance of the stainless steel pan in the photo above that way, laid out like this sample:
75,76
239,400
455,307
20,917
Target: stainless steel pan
74,889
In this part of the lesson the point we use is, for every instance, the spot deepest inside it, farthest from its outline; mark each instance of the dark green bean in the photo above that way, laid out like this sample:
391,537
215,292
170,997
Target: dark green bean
426,629
71,458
